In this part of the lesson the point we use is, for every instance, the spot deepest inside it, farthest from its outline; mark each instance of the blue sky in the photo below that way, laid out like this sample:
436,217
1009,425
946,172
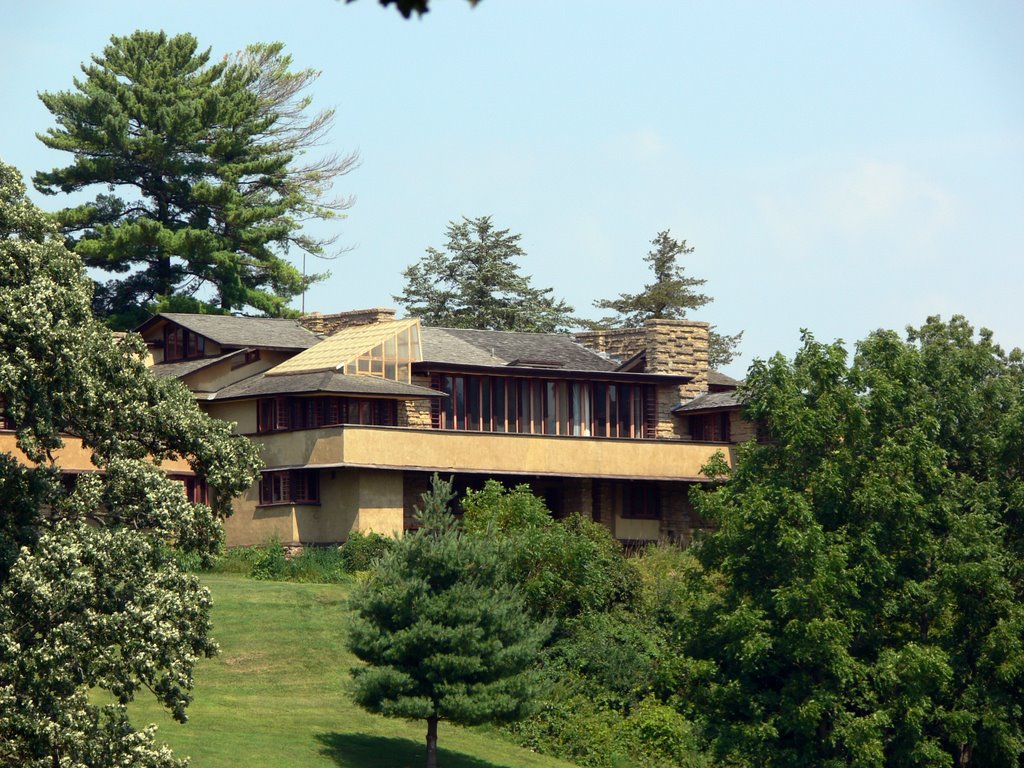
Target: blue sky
838,166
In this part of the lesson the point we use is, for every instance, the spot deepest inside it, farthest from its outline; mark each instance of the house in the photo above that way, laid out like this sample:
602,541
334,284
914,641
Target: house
355,411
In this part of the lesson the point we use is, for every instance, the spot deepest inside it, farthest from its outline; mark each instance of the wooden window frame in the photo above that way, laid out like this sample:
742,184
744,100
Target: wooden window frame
641,500
290,486
529,406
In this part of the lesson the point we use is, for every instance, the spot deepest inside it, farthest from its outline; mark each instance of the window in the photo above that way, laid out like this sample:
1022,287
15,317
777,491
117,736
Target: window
295,486
282,414
710,427
196,489
641,501
391,359
180,344
543,406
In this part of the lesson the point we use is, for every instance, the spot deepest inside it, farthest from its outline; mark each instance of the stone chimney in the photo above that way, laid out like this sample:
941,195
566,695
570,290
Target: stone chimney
669,346
325,325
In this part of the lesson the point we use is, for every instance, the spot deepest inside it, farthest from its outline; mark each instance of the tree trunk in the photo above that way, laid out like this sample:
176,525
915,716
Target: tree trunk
964,758
432,741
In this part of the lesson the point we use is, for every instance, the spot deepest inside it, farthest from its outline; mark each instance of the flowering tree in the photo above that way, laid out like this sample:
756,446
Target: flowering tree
90,597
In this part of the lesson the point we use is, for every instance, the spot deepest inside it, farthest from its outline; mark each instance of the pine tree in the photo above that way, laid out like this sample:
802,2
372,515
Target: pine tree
475,283
444,636
669,297
201,160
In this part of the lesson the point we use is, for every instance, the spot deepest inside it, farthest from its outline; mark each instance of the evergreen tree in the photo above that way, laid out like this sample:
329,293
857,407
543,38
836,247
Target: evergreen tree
443,635
864,601
92,606
202,162
669,297
475,283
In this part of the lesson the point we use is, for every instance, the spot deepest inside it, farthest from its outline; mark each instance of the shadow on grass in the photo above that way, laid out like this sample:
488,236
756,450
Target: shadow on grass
358,750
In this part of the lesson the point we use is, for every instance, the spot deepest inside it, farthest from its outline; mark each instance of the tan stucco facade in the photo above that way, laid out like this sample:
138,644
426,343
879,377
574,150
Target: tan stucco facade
350,500
448,451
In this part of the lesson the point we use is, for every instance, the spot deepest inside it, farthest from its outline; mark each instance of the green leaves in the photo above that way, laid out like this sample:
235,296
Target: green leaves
863,566
90,596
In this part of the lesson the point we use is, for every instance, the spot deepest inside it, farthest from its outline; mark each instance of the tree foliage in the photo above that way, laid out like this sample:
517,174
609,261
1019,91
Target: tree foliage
863,587
668,297
475,283
90,597
564,568
408,7
203,162
445,637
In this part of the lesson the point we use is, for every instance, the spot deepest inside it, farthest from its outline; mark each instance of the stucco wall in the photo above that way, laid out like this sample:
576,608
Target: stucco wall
350,500
218,376
240,412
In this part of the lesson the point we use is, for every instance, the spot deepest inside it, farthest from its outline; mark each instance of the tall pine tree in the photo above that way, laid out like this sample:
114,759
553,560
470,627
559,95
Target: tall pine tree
668,297
201,160
475,283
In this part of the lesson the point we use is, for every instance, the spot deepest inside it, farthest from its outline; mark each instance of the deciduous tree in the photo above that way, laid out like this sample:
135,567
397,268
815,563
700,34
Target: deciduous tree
475,283
92,607
444,636
669,297
864,592
207,187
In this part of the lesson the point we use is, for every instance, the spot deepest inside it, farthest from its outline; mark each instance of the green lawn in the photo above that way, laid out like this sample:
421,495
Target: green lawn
277,694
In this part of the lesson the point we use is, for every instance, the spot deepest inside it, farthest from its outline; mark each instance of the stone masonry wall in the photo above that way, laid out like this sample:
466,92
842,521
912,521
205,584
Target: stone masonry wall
415,413
325,325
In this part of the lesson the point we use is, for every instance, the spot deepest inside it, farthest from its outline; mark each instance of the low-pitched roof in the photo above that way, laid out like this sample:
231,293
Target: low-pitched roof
330,382
712,401
716,379
234,331
462,346
181,368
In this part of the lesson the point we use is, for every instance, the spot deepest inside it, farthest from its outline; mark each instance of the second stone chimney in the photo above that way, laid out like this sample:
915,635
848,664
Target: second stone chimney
325,325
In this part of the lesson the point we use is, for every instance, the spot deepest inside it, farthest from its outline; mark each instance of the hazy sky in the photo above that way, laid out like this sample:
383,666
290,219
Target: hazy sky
839,166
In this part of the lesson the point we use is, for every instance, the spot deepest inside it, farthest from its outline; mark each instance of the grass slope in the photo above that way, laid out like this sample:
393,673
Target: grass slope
277,694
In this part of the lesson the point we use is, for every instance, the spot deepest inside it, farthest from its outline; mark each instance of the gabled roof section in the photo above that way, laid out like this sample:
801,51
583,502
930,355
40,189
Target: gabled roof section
720,382
338,350
181,368
235,332
712,401
325,382
462,346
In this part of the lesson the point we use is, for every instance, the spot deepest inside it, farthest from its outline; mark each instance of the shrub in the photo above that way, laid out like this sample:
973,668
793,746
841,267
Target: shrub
564,567
321,565
361,550
270,563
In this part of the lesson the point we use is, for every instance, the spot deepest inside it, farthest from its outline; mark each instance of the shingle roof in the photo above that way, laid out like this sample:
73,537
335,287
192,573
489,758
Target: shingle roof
184,367
711,401
233,331
321,381
461,346
716,379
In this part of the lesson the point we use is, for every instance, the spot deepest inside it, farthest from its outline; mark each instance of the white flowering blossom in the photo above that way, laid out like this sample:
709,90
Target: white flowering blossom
90,596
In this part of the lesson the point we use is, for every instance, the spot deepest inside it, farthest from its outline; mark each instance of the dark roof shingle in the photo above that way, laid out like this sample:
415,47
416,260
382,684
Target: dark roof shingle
181,368
711,401
233,331
321,381
462,346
